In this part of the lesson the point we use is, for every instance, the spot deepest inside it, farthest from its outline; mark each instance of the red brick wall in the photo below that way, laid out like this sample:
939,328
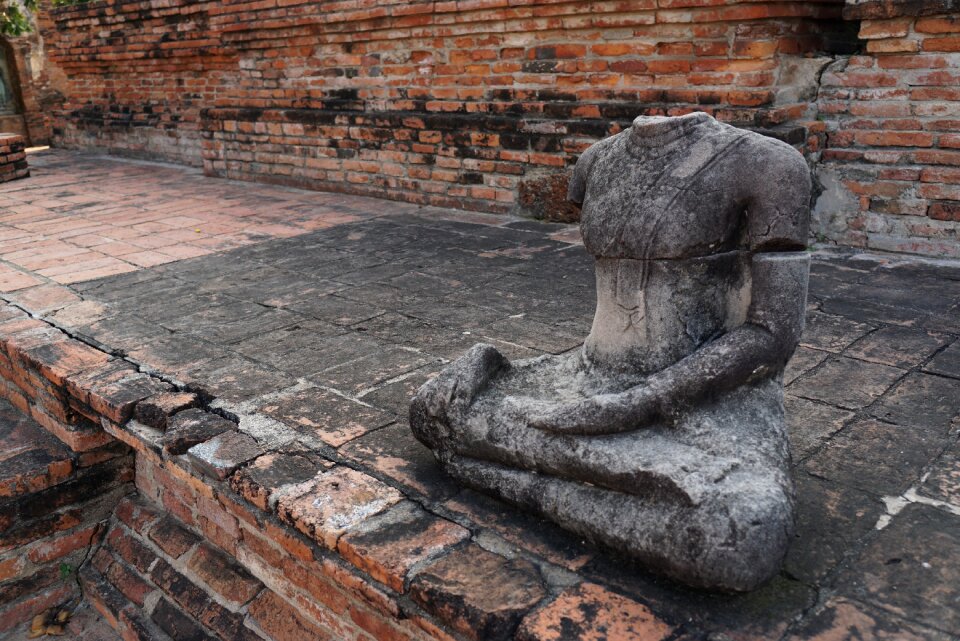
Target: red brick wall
892,160
54,505
484,104
449,103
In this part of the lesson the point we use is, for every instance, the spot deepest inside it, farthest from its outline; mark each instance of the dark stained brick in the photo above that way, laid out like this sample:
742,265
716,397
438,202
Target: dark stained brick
831,520
173,539
478,593
193,426
590,611
390,544
223,454
845,620
947,362
902,347
259,481
175,623
810,424
156,410
225,576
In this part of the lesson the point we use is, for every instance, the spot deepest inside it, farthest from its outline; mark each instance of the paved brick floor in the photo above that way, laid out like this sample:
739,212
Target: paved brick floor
312,318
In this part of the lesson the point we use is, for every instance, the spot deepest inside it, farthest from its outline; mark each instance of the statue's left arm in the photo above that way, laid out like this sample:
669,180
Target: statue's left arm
778,224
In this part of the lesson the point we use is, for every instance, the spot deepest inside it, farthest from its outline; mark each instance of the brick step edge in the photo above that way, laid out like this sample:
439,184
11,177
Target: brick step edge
130,621
342,552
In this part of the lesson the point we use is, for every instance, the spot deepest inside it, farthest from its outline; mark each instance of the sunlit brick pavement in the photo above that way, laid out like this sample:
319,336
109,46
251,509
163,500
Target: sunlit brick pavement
330,310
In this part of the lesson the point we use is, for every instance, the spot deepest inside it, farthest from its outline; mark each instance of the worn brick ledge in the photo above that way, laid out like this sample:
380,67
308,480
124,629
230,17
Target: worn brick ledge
275,543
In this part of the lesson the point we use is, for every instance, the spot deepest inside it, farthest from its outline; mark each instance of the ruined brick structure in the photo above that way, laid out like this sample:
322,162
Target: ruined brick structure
13,158
483,104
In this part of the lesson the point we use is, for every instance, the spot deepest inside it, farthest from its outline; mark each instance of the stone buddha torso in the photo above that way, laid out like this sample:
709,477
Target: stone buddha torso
664,436
663,213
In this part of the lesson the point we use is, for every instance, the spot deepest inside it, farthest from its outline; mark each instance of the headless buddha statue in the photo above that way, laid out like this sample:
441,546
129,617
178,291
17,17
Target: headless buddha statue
664,436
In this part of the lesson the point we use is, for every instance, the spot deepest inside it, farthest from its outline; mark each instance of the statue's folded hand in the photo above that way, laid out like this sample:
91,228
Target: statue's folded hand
596,415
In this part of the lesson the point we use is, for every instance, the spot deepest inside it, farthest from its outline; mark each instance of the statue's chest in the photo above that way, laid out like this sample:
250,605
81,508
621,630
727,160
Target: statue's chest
669,207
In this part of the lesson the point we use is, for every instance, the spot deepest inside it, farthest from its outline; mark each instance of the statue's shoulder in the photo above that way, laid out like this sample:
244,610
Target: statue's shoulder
581,171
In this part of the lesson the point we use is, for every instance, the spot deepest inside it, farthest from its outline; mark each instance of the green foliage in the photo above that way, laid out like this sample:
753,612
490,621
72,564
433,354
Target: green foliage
15,15
13,20
65,571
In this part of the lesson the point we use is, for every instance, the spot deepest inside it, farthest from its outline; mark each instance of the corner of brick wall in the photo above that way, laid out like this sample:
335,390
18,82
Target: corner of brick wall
890,167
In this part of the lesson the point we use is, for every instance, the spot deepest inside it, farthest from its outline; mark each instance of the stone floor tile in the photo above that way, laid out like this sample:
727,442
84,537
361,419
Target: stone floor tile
845,620
943,480
336,309
363,373
877,457
832,333
390,544
831,520
479,594
910,569
44,299
921,399
846,382
237,379
325,415
335,501
902,347
803,360
223,454
947,362
592,613
810,424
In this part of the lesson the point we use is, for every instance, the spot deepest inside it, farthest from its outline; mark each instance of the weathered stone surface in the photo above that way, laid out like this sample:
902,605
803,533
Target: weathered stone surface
157,409
190,427
479,594
921,399
664,436
877,457
327,416
223,454
947,362
943,481
831,519
262,480
388,545
847,382
811,424
333,502
902,347
910,568
592,613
